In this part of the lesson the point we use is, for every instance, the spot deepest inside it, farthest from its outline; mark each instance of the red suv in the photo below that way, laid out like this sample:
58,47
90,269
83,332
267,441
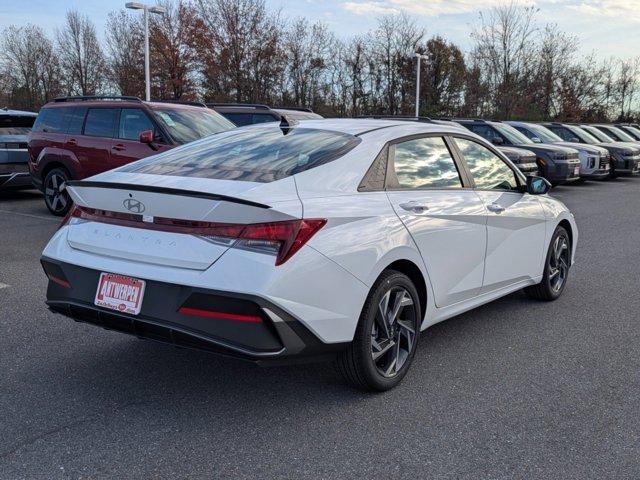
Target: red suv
77,137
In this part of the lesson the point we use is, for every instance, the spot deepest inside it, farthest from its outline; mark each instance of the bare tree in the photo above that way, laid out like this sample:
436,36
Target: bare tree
80,55
31,73
503,51
125,49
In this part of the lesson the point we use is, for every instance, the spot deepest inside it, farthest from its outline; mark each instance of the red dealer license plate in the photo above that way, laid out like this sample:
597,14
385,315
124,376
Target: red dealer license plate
120,293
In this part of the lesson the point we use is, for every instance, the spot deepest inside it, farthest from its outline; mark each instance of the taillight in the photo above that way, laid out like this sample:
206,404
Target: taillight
282,239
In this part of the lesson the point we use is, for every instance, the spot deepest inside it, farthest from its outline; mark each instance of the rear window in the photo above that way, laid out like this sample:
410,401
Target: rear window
16,124
260,154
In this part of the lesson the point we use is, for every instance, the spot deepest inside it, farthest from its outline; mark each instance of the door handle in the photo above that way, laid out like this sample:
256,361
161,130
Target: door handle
494,207
119,147
414,207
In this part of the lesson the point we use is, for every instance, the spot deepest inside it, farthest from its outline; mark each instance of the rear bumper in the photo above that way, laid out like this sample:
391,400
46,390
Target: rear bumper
279,338
15,180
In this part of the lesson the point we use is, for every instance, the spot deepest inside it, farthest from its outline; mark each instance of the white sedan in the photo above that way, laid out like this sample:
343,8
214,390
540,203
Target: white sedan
324,239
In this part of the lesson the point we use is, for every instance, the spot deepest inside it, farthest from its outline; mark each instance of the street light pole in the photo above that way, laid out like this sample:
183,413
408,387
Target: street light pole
419,57
146,9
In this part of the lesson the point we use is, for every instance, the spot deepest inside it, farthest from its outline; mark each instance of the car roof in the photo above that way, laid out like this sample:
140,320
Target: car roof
360,126
17,113
121,102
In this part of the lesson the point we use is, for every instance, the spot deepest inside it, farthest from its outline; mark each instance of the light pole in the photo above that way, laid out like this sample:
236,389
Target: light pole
146,9
419,56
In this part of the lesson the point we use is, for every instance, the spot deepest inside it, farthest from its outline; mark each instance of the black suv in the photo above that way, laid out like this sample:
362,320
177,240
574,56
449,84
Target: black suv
625,157
556,163
250,113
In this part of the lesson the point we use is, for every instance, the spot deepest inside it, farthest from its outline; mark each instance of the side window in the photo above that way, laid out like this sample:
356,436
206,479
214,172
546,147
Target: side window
133,121
263,118
423,163
75,120
51,120
240,119
489,171
526,132
485,131
101,122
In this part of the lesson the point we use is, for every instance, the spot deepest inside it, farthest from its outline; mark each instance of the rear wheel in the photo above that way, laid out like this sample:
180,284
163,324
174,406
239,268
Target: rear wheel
386,337
55,195
556,269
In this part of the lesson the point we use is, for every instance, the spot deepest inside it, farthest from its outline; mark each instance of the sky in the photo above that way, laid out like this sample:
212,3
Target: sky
604,27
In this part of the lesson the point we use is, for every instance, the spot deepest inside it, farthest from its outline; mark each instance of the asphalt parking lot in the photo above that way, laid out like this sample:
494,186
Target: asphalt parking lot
514,389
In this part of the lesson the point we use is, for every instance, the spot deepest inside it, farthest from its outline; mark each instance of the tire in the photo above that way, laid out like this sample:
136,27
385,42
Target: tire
556,268
356,363
55,197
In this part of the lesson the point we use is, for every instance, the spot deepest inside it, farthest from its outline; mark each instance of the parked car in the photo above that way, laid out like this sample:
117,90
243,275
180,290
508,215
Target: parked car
242,114
341,238
525,160
15,125
594,161
631,130
624,156
77,137
617,134
556,163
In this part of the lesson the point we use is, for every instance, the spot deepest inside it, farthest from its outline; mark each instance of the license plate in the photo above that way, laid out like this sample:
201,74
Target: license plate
120,293
576,171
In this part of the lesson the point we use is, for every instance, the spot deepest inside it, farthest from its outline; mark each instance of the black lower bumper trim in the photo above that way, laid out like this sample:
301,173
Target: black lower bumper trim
278,339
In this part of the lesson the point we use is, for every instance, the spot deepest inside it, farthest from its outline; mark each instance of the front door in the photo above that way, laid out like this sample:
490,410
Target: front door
445,219
516,226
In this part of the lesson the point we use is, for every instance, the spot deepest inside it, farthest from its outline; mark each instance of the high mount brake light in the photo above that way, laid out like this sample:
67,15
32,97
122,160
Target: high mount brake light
283,238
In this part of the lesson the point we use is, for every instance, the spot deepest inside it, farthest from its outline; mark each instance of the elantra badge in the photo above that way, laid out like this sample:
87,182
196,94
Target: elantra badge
133,205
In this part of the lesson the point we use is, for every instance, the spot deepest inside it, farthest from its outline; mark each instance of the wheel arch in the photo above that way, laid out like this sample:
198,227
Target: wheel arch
414,273
564,223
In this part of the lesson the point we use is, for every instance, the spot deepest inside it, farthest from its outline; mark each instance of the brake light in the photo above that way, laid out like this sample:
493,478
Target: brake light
282,239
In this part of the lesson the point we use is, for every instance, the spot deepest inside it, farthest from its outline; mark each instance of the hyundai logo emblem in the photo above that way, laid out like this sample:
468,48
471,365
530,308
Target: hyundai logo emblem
133,205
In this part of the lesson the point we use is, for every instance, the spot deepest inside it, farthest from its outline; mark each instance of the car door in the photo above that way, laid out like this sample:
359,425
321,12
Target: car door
127,147
515,220
445,218
93,147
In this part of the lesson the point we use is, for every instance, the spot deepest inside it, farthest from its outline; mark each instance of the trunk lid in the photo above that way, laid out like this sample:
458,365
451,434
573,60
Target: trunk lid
149,199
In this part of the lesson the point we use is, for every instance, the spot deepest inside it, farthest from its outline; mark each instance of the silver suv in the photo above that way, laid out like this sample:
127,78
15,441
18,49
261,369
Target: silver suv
15,125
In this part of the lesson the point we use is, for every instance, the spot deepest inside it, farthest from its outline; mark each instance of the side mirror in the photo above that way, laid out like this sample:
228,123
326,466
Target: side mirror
537,185
146,137
536,140
497,141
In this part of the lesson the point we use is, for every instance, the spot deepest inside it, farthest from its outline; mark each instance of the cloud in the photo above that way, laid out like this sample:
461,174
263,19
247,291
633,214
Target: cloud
624,9
424,7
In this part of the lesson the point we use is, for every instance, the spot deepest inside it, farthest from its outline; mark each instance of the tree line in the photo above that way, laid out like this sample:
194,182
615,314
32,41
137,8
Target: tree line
240,51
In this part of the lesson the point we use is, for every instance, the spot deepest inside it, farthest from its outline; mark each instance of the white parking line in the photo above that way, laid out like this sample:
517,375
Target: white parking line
41,217
4,285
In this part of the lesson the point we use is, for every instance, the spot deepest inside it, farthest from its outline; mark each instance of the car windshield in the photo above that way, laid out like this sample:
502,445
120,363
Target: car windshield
511,134
544,134
253,154
187,125
599,134
633,131
583,135
622,135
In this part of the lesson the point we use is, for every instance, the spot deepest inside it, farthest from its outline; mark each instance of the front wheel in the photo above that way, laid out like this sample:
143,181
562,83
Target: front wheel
556,268
386,337
55,195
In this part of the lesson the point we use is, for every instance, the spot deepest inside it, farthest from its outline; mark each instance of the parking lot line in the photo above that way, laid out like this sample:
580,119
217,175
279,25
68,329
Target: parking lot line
42,217
4,285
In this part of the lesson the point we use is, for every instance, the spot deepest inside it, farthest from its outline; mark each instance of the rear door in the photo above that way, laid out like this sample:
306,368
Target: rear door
515,220
127,147
93,147
445,218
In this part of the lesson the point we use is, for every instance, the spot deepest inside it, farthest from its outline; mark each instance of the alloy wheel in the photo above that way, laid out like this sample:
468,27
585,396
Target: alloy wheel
559,263
55,194
393,333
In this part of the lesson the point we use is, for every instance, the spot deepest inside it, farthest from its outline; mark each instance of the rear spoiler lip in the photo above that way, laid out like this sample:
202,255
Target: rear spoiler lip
163,190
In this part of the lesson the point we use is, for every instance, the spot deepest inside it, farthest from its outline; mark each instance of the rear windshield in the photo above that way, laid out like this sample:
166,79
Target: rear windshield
16,124
254,154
